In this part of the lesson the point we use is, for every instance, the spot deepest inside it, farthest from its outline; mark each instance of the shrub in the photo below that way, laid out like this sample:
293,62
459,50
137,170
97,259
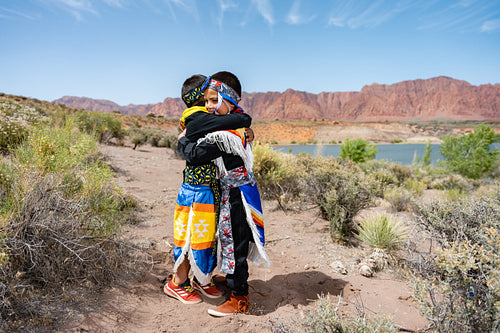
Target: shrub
326,317
103,125
59,214
470,155
15,123
357,150
399,198
381,232
458,286
450,182
278,176
341,189
415,186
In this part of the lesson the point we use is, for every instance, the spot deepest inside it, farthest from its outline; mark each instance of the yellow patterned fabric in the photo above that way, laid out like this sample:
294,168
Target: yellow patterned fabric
204,174
190,111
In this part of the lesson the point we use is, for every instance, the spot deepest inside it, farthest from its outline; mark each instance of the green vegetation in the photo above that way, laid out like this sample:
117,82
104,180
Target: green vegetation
457,286
340,188
59,214
381,232
470,155
357,150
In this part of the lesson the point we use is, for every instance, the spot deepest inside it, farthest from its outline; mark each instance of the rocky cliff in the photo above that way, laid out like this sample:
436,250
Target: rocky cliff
438,98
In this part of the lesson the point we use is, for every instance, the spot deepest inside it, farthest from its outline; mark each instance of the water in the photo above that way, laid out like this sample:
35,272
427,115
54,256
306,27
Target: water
400,153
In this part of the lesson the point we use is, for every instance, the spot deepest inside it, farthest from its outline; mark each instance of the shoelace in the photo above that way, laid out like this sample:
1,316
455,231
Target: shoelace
189,289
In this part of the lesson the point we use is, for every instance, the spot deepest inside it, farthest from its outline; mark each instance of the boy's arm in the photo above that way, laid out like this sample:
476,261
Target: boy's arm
195,153
205,123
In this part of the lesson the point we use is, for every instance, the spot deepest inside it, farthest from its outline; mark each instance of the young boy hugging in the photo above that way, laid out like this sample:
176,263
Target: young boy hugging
197,206
240,229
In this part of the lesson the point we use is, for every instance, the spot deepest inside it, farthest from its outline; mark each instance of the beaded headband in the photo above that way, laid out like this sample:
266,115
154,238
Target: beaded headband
194,95
225,92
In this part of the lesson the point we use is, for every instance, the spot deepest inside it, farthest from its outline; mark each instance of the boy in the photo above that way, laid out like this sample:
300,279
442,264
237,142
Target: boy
240,228
197,202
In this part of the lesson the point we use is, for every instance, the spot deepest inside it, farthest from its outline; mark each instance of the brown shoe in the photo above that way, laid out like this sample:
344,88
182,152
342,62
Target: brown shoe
235,304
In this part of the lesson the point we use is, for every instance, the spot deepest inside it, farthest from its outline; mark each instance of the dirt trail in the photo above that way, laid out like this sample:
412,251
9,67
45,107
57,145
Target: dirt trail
298,245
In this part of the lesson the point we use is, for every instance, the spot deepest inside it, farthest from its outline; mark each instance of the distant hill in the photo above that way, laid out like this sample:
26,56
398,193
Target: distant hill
439,98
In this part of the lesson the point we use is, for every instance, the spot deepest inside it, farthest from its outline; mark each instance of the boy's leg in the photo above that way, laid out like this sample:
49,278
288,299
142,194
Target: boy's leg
182,272
238,281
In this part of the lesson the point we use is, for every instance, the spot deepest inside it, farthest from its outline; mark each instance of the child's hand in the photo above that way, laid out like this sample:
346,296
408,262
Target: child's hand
249,134
183,133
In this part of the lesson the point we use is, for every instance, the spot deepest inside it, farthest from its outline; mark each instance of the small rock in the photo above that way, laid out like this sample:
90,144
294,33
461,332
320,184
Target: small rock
365,270
338,267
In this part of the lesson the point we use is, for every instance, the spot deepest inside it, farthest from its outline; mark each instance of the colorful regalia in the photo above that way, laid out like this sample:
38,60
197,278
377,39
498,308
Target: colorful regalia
233,142
195,217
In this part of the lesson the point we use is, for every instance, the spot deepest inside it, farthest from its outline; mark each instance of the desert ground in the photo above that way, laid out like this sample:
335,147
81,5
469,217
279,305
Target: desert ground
304,264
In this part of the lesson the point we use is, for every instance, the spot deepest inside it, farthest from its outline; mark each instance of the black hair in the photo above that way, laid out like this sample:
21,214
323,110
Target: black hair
228,78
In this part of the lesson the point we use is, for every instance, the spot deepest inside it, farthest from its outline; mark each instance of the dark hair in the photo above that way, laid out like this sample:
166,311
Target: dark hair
228,78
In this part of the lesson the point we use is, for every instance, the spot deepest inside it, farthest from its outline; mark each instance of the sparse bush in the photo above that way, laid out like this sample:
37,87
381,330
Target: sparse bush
59,214
450,182
381,232
458,286
399,198
326,317
341,189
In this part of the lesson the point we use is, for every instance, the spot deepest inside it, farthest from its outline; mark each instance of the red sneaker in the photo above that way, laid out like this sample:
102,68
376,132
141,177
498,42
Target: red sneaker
184,292
209,290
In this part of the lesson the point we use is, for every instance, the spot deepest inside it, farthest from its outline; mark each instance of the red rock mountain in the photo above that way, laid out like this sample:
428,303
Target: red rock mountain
438,98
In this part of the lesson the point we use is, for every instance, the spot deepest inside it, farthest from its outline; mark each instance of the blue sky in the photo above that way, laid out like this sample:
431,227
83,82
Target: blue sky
140,51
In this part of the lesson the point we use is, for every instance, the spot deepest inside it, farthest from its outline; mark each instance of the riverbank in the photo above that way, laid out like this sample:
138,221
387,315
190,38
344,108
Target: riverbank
332,132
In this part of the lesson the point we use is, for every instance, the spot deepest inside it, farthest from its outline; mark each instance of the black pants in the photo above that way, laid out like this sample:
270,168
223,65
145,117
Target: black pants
242,235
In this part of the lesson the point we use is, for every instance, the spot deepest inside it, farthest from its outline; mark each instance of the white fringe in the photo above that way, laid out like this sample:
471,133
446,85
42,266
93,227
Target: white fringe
186,249
256,254
231,144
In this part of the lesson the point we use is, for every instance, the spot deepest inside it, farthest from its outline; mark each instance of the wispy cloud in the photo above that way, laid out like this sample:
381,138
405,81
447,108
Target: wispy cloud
265,9
224,5
354,14
466,15
491,25
16,13
295,16
188,6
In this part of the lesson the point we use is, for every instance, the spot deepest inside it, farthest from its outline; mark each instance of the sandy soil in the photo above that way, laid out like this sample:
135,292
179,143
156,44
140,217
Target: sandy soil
298,245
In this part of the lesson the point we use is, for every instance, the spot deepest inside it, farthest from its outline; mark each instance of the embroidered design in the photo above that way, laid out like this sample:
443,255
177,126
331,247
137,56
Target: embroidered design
195,230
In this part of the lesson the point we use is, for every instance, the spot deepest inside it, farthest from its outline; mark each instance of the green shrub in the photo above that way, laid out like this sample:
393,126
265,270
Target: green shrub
59,215
415,186
278,176
103,125
357,150
470,154
458,286
341,189
15,123
381,232
53,150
